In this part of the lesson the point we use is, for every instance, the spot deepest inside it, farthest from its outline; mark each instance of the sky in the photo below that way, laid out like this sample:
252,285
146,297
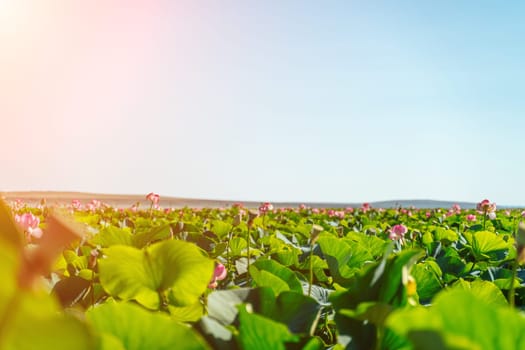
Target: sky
306,101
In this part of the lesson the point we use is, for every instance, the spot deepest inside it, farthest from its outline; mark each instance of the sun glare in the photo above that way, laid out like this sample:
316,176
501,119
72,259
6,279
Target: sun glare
10,16
7,8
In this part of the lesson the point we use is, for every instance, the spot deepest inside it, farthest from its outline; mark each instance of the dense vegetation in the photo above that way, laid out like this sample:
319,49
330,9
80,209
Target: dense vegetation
90,276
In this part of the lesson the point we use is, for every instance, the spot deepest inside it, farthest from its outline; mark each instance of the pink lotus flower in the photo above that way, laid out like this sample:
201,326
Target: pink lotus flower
397,232
154,199
219,274
60,231
265,207
75,204
365,207
428,214
486,206
94,205
471,217
29,223
315,211
456,208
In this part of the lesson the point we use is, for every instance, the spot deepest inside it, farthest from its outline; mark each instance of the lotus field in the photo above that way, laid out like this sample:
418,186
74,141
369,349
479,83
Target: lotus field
91,276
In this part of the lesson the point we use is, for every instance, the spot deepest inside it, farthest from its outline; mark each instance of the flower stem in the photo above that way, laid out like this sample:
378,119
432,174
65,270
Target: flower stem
248,255
228,257
92,287
311,270
512,290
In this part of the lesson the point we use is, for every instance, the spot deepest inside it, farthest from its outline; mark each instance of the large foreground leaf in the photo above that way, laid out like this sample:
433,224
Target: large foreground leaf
133,274
36,323
484,290
381,282
257,332
459,319
130,327
297,311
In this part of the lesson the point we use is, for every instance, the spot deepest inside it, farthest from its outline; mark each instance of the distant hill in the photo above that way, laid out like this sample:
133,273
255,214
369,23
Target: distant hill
422,203
126,200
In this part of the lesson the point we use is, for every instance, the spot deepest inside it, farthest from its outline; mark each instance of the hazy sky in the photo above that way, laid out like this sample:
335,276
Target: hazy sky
265,100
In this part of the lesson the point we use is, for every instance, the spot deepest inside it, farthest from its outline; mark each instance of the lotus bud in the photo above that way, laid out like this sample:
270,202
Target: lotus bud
410,285
219,274
251,216
237,220
93,255
314,234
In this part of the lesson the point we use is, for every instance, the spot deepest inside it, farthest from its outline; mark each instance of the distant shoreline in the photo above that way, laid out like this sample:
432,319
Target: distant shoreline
127,200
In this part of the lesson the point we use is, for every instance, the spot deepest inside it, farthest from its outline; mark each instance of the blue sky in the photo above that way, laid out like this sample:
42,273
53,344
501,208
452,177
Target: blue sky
271,101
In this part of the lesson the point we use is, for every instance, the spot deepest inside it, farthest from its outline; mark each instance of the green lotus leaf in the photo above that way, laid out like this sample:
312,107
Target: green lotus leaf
237,245
221,228
257,332
445,235
156,233
344,257
111,235
460,319
134,328
36,323
488,245
269,273
428,279
134,274
381,282
484,290
297,311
